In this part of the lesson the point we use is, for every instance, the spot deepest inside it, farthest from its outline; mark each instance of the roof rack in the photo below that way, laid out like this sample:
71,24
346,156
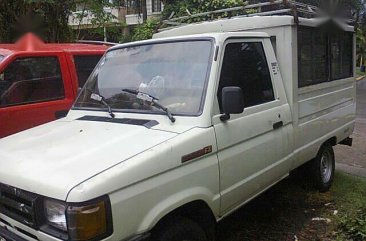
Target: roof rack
96,42
269,8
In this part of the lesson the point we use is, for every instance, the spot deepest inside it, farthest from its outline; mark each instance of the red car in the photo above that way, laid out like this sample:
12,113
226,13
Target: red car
39,82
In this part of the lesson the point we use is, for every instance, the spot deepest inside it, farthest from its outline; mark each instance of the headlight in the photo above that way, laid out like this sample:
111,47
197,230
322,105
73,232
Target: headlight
91,220
55,213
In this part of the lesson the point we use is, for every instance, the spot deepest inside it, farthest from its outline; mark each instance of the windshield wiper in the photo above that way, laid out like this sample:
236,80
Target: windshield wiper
101,99
151,99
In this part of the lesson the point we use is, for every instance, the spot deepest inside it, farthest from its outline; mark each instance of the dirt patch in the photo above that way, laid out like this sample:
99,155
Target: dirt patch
285,213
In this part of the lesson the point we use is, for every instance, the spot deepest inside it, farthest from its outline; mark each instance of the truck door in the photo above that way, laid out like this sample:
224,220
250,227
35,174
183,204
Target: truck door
37,91
250,145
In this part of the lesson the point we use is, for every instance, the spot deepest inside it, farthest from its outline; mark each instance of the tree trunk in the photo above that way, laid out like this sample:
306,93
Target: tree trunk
144,10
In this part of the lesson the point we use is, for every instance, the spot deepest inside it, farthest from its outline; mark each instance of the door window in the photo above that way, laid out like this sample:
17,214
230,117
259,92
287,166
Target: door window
84,66
245,66
30,80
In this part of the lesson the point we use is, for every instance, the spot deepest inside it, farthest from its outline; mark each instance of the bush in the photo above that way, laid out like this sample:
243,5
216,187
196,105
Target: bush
353,226
146,30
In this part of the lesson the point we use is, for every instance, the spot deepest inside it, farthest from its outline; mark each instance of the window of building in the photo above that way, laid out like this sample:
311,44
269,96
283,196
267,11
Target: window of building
245,65
325,54
132,6
156,6
84,66
31,80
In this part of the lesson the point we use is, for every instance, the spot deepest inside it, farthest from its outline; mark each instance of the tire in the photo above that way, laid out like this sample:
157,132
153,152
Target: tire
322,168
180,229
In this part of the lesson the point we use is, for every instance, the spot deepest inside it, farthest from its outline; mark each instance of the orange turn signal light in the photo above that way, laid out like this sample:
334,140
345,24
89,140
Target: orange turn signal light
88,222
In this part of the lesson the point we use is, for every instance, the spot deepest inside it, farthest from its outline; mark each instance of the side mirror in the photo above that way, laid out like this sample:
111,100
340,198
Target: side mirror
232,102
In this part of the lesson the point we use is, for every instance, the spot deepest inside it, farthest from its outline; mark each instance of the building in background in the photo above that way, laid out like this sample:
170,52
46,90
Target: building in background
118,18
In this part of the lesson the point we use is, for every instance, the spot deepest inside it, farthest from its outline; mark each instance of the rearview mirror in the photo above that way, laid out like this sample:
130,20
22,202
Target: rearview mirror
232,101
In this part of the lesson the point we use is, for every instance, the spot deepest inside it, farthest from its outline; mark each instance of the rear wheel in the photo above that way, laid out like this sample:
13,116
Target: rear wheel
322,168
180,229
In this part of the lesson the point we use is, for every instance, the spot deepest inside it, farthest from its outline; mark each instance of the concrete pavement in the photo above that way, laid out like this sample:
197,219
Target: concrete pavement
353,159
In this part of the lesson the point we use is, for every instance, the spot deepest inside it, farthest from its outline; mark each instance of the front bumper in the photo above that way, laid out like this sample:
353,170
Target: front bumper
142,237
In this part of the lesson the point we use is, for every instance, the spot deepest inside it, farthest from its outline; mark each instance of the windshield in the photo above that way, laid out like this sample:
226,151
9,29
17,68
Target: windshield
174,73
2,57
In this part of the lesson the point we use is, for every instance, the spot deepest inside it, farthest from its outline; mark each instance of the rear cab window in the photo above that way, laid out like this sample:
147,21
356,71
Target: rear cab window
30,80
84,65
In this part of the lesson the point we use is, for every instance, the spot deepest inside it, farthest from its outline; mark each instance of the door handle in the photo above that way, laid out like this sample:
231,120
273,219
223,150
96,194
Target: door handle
61,114
277,125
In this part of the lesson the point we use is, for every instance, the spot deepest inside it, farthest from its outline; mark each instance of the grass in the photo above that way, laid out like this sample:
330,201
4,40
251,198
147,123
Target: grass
349,192
350,198
359,73
286,212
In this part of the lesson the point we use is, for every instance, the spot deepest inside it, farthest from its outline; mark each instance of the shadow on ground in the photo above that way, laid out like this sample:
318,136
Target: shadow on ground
283,213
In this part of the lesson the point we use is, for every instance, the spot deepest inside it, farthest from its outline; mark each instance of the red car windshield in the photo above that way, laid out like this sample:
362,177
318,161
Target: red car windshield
2,57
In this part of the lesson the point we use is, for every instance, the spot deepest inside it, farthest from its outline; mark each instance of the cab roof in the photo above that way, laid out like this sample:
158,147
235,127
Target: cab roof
31,43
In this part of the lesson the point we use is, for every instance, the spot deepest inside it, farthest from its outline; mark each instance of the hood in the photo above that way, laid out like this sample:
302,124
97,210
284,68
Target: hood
52,159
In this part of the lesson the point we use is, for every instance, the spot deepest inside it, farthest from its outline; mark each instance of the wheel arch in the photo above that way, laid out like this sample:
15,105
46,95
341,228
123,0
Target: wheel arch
197,210
331,141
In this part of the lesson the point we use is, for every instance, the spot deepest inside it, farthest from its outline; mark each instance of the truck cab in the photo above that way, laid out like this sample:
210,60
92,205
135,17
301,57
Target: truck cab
39,82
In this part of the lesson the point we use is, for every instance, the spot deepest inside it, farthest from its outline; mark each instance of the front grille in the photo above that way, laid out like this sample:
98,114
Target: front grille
18,204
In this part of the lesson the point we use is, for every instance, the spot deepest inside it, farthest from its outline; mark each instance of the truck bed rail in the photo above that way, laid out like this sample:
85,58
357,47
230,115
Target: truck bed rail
269,8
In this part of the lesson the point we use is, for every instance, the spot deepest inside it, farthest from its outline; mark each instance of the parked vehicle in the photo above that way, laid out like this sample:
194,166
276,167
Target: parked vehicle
39,82
173,134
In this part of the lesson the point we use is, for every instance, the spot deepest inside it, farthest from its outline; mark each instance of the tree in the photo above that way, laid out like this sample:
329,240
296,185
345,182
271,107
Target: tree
178,8
144,11
47,18
95,11
146,30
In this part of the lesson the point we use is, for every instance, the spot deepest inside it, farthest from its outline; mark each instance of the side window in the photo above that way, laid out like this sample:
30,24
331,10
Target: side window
84,66
341,55
313,65
30,80
325,54
245,66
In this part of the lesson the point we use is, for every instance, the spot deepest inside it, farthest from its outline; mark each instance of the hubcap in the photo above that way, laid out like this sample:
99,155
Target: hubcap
326,167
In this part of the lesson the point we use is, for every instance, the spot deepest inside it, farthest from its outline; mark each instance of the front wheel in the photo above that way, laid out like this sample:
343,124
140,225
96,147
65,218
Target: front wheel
322,168
180,229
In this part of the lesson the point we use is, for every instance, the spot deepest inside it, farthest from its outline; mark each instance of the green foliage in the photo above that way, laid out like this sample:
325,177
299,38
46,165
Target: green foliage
146,30
360,45
353,226
100,17
349,194
47,18
188,7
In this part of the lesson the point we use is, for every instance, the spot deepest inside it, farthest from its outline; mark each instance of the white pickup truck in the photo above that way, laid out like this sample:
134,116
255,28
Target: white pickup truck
171,135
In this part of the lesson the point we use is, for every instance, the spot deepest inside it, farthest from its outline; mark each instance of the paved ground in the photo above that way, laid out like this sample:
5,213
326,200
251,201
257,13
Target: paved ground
353,159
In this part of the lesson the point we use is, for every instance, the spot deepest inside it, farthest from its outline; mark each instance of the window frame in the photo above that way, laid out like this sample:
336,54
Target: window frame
341,36
254,108
156,6
74,58
59,62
